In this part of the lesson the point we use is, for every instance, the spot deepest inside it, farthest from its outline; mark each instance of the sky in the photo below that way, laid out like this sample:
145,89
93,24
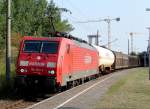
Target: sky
133,18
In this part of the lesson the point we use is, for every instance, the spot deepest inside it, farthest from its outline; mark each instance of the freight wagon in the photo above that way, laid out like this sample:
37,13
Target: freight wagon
125,61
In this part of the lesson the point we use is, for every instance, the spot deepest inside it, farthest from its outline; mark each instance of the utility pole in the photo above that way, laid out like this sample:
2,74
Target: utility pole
109,33
149,50
128,46
108,20
97,39
132,34
145,60
148,9
8,41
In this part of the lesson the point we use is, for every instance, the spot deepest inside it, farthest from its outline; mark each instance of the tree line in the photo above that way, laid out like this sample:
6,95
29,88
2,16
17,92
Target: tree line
31,17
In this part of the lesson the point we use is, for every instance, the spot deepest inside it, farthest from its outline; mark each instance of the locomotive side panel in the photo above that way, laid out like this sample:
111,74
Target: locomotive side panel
82,62
64,62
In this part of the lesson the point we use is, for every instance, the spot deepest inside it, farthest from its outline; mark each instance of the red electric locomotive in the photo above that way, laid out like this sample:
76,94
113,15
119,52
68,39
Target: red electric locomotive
51,62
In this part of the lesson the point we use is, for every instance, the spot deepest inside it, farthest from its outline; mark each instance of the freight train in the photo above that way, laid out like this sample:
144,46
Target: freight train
64,61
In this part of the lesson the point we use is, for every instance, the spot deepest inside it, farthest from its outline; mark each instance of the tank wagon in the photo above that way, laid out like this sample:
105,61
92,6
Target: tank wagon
54,62
106,59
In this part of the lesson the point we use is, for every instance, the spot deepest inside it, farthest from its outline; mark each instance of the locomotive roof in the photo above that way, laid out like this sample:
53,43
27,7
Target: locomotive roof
56,36
40,38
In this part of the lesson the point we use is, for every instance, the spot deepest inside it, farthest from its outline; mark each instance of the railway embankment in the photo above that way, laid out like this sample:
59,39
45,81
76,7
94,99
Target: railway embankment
129,92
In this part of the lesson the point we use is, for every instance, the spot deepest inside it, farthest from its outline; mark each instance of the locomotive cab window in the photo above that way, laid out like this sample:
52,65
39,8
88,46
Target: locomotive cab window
32,46
50,47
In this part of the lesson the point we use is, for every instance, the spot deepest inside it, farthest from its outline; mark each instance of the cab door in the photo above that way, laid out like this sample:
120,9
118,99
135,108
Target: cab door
69,58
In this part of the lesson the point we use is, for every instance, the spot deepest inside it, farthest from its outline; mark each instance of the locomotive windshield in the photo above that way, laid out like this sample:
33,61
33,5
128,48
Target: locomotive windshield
50,47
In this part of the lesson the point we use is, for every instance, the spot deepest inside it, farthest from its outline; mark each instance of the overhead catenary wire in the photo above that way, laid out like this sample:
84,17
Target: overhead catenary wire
108,21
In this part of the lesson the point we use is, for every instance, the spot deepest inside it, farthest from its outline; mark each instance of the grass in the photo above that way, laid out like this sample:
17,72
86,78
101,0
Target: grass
130,92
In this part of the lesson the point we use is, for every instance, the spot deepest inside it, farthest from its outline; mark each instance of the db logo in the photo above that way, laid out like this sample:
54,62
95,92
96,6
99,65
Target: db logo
88,59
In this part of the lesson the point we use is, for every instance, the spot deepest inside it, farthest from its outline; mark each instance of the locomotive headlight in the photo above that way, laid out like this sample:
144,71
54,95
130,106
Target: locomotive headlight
24,63
51,72
51,64
23,70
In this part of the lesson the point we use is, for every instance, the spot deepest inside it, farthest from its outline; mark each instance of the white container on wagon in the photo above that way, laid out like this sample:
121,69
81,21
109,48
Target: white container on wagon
106,58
